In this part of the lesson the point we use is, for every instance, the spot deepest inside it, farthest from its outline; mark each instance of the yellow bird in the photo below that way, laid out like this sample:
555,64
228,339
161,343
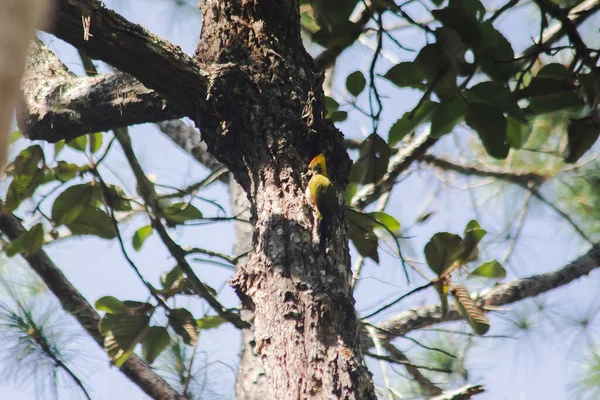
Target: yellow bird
322,193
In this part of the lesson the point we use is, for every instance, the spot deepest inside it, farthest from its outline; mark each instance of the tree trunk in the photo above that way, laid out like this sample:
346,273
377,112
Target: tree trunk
267,123
251,377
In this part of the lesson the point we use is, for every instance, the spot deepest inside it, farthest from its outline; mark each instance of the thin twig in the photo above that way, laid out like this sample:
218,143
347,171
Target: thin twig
428,387
563,214
400,362
147,192
379,349
399,299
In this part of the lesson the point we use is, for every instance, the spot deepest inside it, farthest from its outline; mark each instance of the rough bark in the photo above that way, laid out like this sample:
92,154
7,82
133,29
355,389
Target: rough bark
75,304
269,122
251,381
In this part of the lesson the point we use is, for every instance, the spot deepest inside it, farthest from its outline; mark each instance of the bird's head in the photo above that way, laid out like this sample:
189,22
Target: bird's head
318,165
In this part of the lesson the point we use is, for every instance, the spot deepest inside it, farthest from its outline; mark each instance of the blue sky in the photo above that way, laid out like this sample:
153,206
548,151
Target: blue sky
537,366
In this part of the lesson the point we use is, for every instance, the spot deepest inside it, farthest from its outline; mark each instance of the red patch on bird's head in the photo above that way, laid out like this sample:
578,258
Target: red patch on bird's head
318,164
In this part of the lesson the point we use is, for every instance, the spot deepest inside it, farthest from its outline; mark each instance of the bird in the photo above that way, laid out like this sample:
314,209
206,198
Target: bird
322,194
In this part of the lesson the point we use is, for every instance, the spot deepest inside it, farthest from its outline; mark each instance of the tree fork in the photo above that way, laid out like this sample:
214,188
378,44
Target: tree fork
265,122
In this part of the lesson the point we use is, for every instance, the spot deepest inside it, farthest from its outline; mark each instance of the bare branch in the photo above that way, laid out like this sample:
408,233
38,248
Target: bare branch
427,386
158,64
463,393
524,178
58,105
75,304
398,164
149,196
568,28
508,293
188,138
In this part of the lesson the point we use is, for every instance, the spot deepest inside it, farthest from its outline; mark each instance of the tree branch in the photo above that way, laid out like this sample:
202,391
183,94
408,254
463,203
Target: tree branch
577,15
500,295
58,105
327,58
75,304
519,178
146,190
158,64
398,164
463,393
427,386
569,29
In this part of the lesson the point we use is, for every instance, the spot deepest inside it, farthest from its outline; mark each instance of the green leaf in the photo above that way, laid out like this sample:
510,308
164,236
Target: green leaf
58,146
351,190
407,124
210,322
72,202
372,162
464,23
590,83
331,104
65,171
433,61
134,307
554,71
92,221
355,83
34,240
442,251
473,314
329,14
387,220
180,212
338,116
446,87
110,305
157,339
490,125
79,143
496,95
140,236
28,243
121,333
517,133
447,115
308,22
361,233
168,279
117,198
472,236
581,134
14,136
539,87
27,176
406,74
95,141
343,34
184,324
491,269
554,102
473,8
495,53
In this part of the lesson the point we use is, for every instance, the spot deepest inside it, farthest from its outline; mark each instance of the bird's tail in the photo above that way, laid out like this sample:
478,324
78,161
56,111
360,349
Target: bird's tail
323,234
